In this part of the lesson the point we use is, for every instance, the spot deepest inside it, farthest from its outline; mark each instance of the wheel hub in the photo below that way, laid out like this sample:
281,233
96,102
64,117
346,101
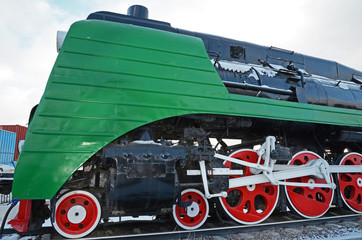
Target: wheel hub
193,210
311,182
359,182
77,214
251,187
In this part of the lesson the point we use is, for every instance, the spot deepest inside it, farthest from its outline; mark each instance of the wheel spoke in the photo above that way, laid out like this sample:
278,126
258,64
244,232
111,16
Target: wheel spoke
355,197
350,175
321,195
252,211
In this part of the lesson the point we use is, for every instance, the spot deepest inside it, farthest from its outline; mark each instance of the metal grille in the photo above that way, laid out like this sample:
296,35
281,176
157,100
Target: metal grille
5,198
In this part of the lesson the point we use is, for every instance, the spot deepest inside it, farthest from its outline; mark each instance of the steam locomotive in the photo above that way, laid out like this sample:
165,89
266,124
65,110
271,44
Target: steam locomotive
141,118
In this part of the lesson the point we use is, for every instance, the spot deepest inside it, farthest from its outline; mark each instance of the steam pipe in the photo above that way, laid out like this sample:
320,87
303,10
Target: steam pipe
258,88
301,74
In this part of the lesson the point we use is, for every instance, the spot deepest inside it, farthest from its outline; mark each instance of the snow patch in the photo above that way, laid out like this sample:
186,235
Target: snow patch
243,68
150,142
18,237
278,67
253,75
343,86
4,168
88,143
3,208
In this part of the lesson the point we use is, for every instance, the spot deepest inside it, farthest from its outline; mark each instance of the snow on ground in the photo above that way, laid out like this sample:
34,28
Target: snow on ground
17,237
7,168
3,208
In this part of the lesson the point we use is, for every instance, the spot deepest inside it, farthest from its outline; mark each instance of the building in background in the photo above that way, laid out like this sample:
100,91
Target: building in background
7,147
20,135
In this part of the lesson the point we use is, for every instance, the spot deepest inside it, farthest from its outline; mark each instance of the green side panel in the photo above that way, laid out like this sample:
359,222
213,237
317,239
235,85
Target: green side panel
110,78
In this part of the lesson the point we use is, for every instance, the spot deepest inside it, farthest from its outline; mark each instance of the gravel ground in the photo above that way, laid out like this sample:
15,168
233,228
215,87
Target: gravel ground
341,230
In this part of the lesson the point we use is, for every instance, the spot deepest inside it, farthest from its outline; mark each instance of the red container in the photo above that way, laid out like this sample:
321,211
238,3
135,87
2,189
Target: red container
20,135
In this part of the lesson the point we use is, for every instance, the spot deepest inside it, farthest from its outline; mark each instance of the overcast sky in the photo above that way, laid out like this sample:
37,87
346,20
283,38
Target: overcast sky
328,29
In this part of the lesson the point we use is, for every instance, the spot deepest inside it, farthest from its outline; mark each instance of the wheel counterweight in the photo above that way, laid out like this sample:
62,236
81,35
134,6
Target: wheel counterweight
193,216
309,202
76,214
249,204
350,184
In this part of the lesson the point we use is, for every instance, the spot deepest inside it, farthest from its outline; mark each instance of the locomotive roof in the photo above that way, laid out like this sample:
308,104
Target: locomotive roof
250,53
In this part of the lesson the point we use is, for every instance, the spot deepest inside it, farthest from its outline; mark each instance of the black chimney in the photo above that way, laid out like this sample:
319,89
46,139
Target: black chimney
138,11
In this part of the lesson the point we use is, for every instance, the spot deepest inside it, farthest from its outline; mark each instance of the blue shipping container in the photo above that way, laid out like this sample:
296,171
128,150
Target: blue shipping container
7,147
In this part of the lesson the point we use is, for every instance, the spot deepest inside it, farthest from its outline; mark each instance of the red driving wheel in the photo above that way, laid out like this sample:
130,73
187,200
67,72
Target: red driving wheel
309,202
76,214
249,204
194,215
350,184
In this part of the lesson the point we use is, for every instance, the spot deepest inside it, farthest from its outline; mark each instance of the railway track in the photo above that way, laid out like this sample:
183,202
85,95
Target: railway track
229,230
160,229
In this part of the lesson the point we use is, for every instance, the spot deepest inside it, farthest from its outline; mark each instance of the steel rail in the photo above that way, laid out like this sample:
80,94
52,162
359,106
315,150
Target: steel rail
230,229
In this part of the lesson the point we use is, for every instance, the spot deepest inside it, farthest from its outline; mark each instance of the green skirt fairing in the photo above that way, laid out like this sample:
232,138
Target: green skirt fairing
110,78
